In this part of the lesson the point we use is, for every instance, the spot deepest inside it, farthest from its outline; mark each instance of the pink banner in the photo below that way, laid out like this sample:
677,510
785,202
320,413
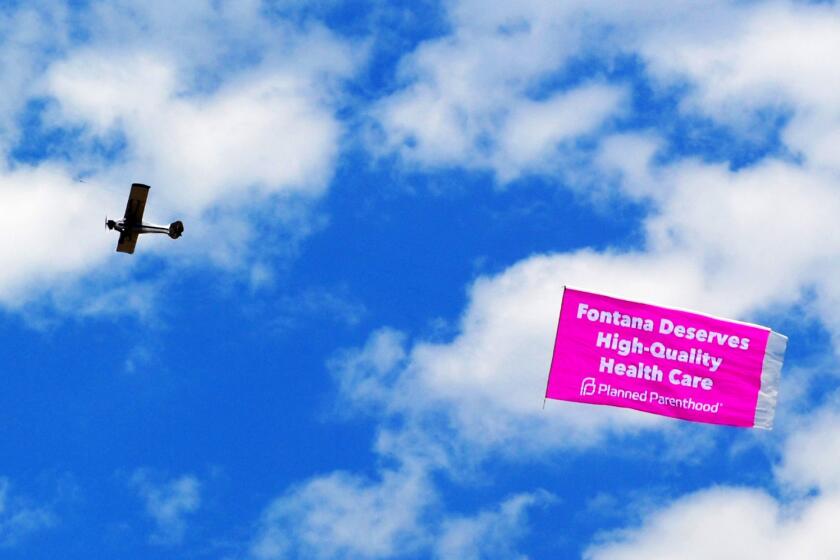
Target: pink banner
665,361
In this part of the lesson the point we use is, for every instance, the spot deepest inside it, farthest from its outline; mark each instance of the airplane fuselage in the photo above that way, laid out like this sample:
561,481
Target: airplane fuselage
122,226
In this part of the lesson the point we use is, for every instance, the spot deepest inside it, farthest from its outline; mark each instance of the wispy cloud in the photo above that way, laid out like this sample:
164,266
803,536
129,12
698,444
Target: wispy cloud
490,533
168,503
341,515
749,522
399,514
18,519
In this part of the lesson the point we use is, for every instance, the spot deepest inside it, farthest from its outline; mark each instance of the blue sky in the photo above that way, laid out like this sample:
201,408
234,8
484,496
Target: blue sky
345,354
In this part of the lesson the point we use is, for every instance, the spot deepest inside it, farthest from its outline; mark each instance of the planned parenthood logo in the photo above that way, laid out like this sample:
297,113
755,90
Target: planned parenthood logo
587,387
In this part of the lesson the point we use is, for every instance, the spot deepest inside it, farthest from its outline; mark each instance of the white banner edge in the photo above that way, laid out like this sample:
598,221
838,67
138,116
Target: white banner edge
771,374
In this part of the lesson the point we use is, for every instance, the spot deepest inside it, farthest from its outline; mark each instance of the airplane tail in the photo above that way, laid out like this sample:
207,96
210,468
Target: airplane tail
176,229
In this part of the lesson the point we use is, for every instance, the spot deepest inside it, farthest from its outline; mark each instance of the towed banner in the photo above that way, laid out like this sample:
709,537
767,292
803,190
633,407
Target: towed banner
665,361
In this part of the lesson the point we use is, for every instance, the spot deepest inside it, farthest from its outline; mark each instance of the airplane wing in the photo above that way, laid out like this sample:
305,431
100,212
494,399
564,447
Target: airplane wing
136,205
127,241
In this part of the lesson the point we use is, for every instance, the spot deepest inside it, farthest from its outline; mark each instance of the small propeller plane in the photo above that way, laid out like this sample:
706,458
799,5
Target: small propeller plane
132,225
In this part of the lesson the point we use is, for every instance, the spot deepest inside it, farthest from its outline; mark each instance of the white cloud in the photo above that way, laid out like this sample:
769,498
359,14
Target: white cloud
809,459
719,523
625,159
775,52
26,35
466,96
344,516
777,56
52,230
512,137
490,533
329,305
494,92
534,129
340,515
19,520
257,134
744,523
168,503
189,29
760,234
469,97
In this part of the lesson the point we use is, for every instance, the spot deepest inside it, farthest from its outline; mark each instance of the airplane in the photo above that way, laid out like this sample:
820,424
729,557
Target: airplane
132,225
